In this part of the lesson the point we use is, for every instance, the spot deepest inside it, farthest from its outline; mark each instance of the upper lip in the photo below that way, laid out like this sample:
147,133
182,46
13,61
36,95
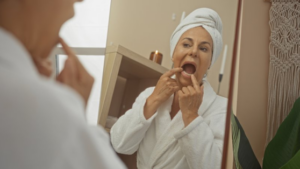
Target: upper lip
189,62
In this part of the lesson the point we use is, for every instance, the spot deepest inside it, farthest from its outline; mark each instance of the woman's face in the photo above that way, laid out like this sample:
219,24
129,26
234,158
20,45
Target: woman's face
44,19
54,11
193,53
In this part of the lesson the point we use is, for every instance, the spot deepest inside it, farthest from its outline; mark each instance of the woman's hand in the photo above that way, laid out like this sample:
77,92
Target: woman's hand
74,74
190,99
165,87
44,66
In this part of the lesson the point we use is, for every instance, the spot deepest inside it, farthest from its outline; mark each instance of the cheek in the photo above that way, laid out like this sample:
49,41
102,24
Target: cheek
67,7
203,66
205,61
176,60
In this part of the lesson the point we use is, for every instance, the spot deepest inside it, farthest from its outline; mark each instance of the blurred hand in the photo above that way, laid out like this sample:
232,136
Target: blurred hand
190,99
74,74
165,87
44,66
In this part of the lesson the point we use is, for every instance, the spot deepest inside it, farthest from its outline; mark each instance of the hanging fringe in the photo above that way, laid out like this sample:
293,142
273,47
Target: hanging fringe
284,70
283,0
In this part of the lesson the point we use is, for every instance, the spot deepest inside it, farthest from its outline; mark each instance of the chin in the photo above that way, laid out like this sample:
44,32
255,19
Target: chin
183,82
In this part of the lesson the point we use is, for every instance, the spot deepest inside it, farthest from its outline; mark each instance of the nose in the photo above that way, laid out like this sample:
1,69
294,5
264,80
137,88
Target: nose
193,51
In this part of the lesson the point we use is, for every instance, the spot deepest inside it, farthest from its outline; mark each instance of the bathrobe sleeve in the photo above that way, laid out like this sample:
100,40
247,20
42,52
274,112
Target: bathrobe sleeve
202,140
130,129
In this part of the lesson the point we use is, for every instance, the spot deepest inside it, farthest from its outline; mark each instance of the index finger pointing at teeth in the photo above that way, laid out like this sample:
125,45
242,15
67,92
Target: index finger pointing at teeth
172,72
66,48
195,83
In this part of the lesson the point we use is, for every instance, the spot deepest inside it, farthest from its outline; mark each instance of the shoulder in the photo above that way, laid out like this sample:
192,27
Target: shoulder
50,115
217,109
221,101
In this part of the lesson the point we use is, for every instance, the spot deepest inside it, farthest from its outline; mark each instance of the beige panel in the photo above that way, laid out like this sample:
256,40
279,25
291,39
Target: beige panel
253,73
130,94
145,83
111,68
117,98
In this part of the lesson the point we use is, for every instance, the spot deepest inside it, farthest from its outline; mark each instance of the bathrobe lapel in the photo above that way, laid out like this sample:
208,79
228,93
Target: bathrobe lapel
208,98
166,128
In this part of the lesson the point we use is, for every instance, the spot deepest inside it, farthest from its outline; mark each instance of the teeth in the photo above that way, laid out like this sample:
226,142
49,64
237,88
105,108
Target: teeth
187,73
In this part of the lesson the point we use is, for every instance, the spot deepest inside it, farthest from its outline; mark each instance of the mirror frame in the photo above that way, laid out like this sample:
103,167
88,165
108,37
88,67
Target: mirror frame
231,86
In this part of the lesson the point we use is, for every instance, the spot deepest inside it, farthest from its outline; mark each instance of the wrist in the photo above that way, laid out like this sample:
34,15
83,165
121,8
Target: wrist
189,117
150,107
153,101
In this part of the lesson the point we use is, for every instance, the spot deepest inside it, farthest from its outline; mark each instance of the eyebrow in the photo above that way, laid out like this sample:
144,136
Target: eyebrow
204,42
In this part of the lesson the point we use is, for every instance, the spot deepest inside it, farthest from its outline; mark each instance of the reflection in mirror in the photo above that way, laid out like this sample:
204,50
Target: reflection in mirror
154,125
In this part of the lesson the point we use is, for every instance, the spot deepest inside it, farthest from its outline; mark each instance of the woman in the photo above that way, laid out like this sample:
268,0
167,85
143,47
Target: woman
42,122
179,123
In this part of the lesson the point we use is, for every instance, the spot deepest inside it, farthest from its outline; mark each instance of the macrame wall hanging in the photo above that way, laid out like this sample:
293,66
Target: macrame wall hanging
284,70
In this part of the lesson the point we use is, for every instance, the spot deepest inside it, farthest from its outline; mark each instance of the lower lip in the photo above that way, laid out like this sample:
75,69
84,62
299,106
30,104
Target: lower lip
185,75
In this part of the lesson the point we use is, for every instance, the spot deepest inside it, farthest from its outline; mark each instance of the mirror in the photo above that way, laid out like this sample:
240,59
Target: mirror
137,28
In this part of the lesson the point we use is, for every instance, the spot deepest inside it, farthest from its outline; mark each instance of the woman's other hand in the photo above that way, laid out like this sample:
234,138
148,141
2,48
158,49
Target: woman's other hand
44,66
190,99
75,75
165,87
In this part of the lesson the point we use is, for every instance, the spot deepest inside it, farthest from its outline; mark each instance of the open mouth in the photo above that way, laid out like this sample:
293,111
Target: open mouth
189,68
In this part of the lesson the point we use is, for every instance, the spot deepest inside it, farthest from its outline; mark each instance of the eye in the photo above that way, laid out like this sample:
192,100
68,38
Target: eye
186,45
204,49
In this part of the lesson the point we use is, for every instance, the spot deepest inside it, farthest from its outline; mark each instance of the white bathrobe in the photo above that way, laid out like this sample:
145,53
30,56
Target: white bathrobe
163,143
42,123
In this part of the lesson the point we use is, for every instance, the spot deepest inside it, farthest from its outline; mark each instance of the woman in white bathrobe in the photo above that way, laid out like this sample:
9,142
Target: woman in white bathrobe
179,123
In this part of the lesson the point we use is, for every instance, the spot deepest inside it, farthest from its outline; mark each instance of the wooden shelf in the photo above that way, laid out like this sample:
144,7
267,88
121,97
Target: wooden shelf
136,66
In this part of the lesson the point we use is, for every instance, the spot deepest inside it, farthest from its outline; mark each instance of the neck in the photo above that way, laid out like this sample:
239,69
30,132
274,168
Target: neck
29,30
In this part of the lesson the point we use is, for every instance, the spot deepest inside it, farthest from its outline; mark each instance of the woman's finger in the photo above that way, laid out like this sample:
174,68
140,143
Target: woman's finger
81,70
172,72
66,48
191,90
180,93
195,83
172,80
68,74
176,88
185,90
44,67
172,84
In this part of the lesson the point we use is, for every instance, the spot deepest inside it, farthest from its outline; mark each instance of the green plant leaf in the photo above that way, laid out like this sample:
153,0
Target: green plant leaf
286,142
294,163
243,154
